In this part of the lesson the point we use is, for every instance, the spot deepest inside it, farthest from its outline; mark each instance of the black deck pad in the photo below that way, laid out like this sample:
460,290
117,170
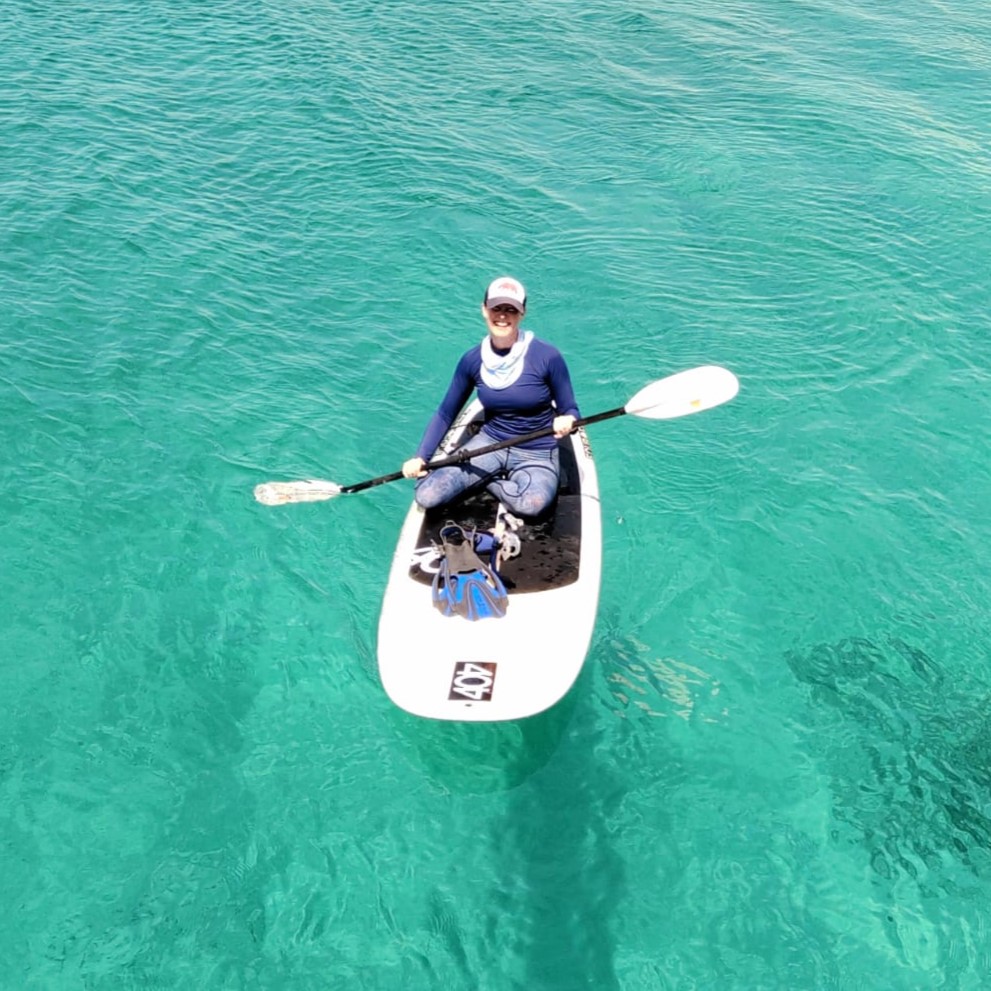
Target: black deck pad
550,544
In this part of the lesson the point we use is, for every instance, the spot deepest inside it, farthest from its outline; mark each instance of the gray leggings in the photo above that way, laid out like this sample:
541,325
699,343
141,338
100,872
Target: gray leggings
524,480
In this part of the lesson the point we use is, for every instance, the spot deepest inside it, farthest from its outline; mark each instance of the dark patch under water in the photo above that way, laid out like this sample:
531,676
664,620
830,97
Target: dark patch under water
908,749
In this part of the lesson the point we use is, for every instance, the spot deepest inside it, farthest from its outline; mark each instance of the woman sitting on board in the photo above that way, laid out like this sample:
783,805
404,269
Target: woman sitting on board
524,385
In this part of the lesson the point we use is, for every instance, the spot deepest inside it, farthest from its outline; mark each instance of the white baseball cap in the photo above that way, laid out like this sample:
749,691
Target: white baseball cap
506,291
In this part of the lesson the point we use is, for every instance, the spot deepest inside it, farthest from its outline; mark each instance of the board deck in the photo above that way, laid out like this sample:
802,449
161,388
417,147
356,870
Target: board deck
512,666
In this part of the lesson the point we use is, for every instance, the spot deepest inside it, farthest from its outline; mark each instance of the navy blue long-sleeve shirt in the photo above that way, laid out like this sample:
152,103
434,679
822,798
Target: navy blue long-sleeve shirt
542,392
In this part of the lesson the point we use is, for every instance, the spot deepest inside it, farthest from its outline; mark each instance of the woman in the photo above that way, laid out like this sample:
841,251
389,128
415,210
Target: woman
524,385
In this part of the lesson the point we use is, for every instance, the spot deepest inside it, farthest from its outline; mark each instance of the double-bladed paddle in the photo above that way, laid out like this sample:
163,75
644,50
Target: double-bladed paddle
686,392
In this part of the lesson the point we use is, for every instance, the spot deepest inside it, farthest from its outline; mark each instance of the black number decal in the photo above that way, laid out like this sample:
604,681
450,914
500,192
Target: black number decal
473,680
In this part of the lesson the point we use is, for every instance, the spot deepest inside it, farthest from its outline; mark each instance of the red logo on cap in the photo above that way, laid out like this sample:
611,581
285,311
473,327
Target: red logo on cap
511,286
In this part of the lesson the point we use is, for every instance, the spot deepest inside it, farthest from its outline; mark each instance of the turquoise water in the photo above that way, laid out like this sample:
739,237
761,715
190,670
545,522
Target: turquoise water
248,241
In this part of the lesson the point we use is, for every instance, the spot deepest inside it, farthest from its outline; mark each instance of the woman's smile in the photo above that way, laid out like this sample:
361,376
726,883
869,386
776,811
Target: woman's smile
503,322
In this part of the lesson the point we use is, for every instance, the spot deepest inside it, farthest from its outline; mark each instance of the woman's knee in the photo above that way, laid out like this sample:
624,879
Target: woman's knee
428,496
443,486
532,501
526,493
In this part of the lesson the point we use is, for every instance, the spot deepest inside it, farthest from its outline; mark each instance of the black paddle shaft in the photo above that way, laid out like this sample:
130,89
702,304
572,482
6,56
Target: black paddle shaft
460,457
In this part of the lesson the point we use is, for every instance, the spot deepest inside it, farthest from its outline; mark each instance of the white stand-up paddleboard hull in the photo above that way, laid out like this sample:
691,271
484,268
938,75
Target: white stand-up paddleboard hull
510,667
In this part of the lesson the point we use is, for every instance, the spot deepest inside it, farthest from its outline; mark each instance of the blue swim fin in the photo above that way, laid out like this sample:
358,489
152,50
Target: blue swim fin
464,585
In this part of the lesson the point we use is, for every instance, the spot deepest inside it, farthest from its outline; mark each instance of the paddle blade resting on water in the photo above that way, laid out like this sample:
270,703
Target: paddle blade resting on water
686,392
308,490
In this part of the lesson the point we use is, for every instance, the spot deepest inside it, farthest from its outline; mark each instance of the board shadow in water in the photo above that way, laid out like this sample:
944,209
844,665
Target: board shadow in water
563,876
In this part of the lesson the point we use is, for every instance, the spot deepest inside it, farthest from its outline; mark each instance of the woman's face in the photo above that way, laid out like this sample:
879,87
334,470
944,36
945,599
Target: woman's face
503,322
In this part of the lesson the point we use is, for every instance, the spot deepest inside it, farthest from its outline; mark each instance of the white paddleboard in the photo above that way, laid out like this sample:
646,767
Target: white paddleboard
496,668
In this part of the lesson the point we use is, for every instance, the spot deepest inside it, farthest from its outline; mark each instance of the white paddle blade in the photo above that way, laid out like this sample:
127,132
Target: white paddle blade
310,490
687,392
